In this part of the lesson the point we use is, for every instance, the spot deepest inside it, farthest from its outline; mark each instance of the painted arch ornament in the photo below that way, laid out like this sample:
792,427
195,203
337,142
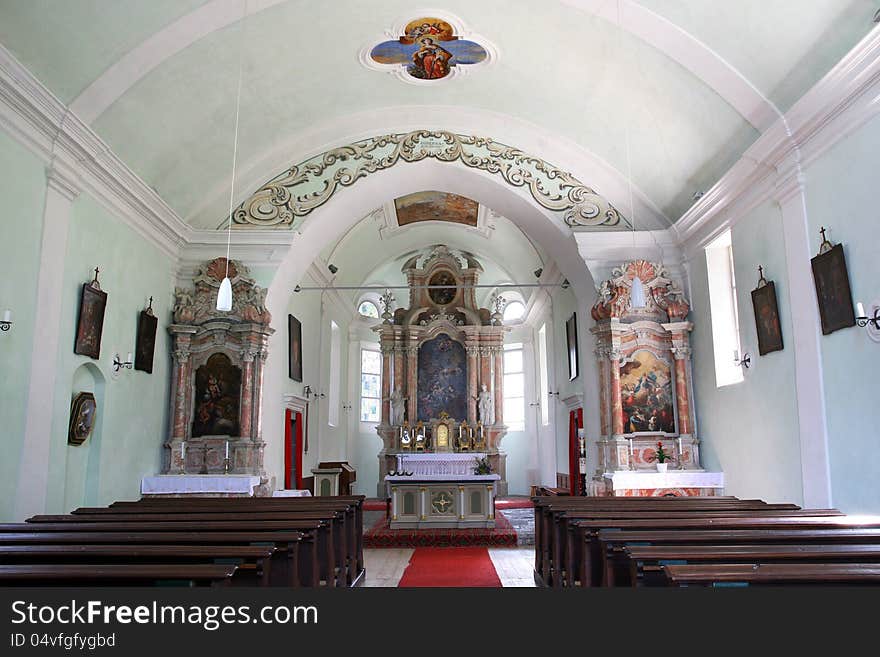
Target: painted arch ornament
428,48
293,194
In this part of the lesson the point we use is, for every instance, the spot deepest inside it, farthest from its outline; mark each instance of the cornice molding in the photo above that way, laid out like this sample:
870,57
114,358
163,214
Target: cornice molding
36,118
842,101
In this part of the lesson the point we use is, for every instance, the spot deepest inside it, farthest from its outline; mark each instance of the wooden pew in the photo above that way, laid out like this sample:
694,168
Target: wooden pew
574,525
645,562
550,542
353,505
613,543
209,574
774,574
332,547
546,506
291,544
254,561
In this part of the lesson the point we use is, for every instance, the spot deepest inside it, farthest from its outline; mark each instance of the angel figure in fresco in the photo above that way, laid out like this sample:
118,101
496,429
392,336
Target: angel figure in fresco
430,60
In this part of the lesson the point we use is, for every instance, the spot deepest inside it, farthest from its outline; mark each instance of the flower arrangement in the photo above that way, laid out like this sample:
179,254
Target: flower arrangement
482,466
659,455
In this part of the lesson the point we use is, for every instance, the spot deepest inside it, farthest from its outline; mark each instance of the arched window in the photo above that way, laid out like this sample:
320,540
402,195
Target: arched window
368,309
514,310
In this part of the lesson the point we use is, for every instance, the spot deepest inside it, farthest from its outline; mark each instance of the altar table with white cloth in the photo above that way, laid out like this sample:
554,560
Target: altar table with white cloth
292,492
687,483
200,485
459,463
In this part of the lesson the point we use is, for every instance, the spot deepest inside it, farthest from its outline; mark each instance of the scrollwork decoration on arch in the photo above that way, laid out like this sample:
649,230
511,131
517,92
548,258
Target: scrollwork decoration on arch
306,186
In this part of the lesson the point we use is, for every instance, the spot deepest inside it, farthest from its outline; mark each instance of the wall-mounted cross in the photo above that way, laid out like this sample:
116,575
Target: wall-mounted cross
97,271
822,230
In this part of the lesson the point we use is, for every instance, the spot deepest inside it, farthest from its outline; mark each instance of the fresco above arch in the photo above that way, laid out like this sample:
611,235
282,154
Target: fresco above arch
436,206
428,49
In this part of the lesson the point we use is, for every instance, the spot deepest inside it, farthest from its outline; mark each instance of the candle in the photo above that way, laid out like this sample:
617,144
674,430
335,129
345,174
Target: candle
7,315
630,446
680,449
227,449
860,310
459,431
736,355
129,359
183,453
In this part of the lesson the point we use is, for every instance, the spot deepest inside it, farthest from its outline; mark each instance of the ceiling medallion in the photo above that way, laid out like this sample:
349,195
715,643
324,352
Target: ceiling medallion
427,49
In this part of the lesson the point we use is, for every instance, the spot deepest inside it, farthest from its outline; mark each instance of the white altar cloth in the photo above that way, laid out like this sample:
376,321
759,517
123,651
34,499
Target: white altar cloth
193,484
628,479
292,492
441,477
439,464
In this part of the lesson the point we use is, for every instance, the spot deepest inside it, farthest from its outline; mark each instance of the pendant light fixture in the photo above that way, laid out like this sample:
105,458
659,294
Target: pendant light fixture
637,291
224,295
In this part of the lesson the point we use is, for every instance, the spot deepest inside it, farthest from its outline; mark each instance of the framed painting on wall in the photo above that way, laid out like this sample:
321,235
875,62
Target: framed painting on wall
83,409
832,290
146,341
572,342
767,318
90,323
294,346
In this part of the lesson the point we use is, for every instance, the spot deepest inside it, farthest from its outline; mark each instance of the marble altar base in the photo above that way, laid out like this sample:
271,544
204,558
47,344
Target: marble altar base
442,501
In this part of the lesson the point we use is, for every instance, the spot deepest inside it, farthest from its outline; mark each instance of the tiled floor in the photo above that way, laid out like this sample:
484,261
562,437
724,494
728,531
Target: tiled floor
514,565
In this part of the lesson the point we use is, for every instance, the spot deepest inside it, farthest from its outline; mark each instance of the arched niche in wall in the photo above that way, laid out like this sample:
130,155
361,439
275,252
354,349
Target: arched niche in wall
82,467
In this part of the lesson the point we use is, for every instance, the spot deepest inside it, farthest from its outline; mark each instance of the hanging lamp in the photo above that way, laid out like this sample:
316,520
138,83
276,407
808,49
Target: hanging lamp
637,291
224,294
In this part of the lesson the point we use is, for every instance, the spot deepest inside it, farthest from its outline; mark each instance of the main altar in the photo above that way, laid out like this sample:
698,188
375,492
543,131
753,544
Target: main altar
646,389
442,397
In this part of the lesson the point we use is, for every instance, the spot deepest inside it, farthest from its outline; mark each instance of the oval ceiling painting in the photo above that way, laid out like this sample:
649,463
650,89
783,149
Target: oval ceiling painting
428,50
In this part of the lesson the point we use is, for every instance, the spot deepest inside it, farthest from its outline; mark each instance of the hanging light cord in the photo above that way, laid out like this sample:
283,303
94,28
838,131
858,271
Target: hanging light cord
235,137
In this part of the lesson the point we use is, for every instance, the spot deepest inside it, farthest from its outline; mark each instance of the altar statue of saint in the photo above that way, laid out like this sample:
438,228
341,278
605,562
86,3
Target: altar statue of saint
486,404
398,406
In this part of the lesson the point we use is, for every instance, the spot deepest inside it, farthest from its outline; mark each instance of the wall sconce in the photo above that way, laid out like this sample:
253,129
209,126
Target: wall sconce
119,365
745,361
333,268
872,323
6,322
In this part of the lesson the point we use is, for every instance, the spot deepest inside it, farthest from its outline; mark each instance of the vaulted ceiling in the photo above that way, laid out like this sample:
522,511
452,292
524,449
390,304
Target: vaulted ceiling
667,93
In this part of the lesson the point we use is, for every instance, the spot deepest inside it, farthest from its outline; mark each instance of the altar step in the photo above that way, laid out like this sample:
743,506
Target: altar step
380,535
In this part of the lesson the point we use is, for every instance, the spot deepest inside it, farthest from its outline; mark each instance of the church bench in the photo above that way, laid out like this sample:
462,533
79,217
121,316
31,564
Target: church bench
333,547
300,566
543,523
352,503
572,526
549,536
774,574
116,574
584,561
254,561
645,562
611,544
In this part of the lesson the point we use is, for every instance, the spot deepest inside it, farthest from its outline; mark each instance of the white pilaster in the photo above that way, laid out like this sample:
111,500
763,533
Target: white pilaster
30,496
806,327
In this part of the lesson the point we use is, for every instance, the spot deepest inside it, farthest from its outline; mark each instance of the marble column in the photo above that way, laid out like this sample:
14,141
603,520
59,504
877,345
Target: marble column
486,367
472,353
386,383
616,399
247,391
412,383
499,385
399,374
682,397
182,368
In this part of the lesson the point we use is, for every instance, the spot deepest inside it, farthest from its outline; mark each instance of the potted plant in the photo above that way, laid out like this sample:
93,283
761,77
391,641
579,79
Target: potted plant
661,457
482,467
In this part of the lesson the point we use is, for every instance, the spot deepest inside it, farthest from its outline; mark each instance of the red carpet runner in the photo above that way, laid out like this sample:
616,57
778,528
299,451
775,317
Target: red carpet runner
459,566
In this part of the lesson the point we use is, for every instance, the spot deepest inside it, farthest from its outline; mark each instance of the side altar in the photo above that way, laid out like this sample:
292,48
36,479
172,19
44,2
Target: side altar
646,389
442,386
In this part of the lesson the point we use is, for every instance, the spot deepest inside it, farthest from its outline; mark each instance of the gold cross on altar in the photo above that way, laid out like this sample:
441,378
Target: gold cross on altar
442,501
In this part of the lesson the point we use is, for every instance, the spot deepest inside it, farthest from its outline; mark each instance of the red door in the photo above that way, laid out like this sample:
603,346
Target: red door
575,422
293,435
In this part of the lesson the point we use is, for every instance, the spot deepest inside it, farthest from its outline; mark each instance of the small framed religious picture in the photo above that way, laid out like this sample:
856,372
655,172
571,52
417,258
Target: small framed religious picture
90,323
571,339
832,288
766,316
83,410
146,340
294,346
